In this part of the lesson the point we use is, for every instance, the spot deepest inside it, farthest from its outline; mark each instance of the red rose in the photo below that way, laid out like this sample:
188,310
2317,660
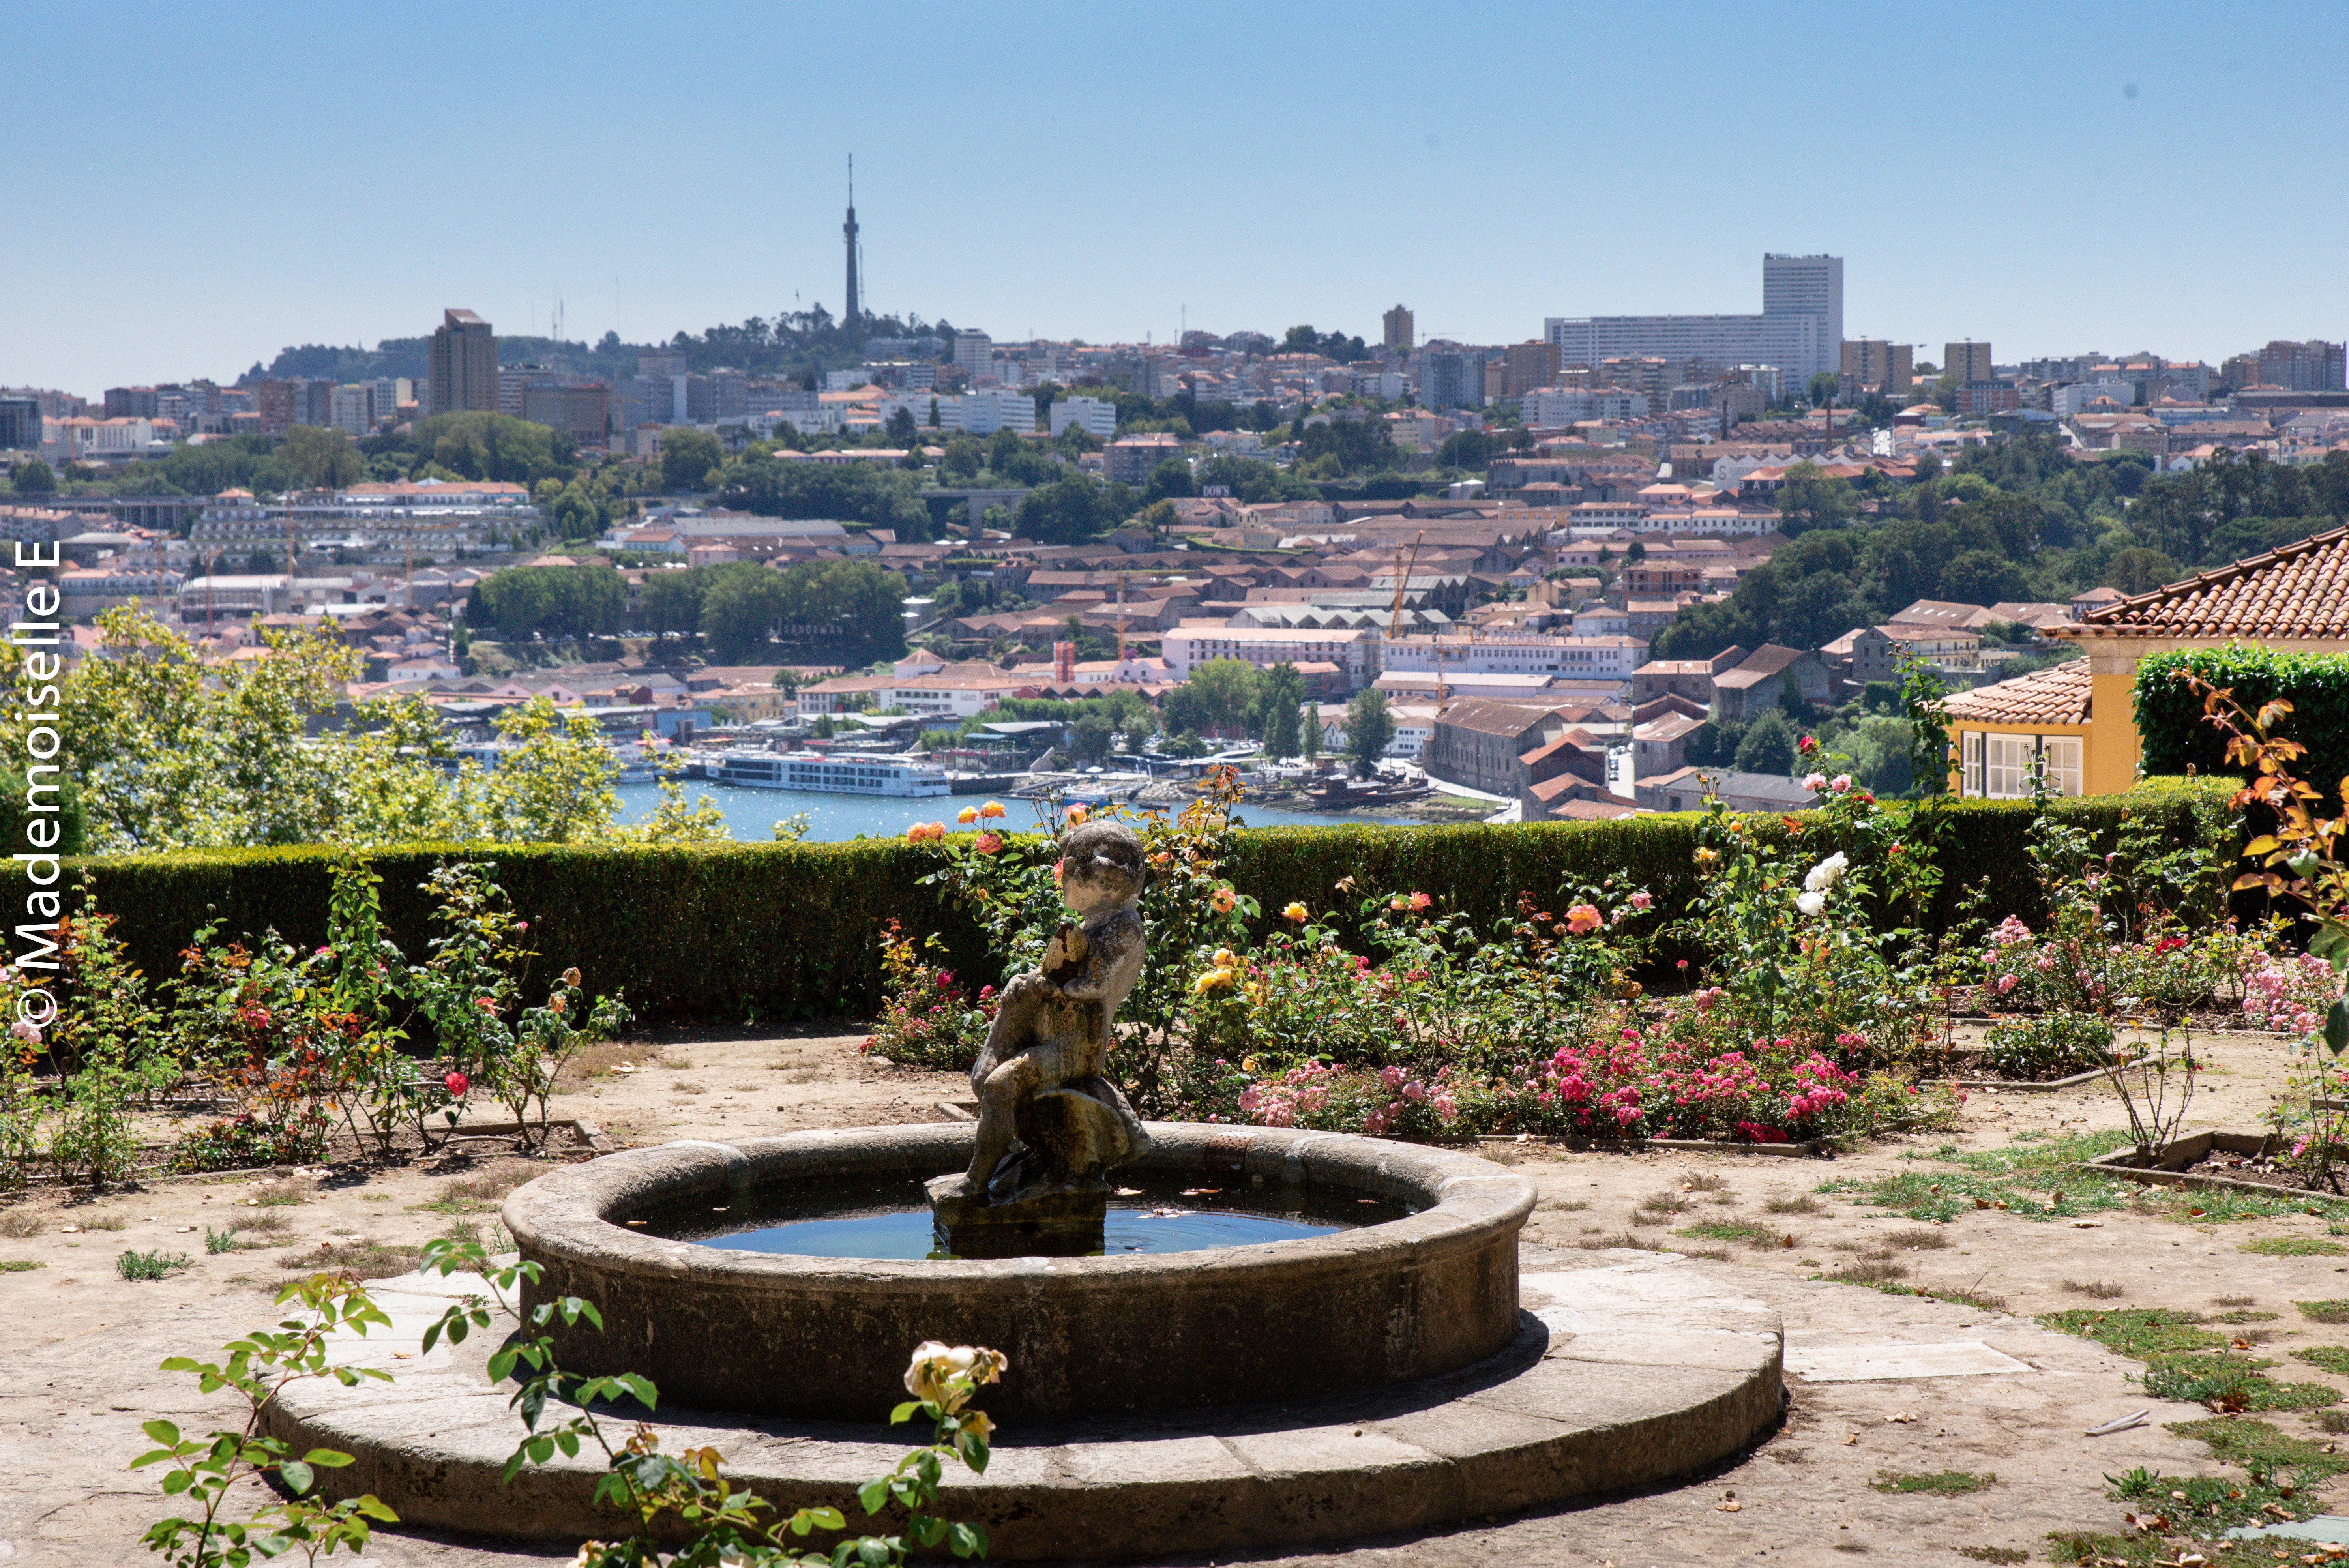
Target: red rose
458,1084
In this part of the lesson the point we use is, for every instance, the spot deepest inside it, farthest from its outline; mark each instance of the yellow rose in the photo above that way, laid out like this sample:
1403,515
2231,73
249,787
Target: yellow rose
1295,912
967,815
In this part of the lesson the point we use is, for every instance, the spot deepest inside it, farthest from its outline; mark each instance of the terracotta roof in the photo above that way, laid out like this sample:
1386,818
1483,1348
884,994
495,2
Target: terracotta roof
2299,591
2055,695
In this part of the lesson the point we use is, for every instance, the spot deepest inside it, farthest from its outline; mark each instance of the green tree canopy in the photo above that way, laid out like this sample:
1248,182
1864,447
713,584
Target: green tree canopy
688,458
1370,725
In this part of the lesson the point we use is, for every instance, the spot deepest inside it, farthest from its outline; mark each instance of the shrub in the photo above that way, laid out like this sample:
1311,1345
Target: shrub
699,929
2056,1046
2175,735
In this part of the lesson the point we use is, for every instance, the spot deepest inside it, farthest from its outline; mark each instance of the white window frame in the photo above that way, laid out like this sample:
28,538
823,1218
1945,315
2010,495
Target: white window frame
2006,765
2061,756
1998,765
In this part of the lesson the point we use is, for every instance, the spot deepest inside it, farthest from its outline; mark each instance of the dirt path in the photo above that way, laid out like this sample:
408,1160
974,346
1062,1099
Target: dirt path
84,1343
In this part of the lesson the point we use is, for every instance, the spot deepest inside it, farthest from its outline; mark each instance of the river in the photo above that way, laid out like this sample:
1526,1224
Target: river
752,814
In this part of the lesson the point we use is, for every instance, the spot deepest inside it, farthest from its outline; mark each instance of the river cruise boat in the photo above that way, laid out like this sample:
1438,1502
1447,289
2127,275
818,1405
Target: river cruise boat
889,775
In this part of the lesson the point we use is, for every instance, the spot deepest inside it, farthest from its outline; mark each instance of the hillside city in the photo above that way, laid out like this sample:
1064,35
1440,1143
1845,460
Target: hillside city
1573,577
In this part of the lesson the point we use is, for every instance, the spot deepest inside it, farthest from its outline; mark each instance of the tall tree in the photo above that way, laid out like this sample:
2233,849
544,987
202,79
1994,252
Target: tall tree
1283,690
1370,725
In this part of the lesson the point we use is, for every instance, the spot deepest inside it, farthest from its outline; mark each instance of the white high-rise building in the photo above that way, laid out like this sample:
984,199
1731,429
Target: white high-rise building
1806,286
974,352
1800,328
1097,417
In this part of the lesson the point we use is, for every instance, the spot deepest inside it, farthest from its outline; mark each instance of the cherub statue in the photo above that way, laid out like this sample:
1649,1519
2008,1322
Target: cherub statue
1041,1076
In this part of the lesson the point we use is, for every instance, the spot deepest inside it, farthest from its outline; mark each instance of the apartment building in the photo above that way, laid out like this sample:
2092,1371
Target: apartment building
464,366
1968,361
1352,652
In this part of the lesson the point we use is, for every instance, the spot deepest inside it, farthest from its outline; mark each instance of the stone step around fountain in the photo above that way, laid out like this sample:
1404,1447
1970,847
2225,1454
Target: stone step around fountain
1633,1370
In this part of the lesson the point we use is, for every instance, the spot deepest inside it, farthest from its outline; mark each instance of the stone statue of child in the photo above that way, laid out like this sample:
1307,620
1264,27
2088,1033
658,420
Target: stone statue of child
1041,1076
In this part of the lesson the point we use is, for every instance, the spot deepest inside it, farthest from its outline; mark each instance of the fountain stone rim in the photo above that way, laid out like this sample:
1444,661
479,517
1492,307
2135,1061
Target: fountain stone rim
580,1209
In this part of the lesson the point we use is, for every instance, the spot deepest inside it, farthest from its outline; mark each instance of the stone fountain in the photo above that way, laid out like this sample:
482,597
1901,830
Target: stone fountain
1344,1379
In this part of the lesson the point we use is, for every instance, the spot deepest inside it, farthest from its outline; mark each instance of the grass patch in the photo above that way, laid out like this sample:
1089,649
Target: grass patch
155,1265
2096,1290
2333,1358
1626,1238
1868,1271
1564,1205
2084,1548
18,1266
369,1260
218,1241
284,1194
479,1192
2235,1301
2014,1177
1919,1239
1937,1483
1664,1204
2210,1504
19,1223
103,1222
1996,1553
1750,1232
2146,1333
263,1225
1801,1203
1705,1181
2256,1445
2331,1420
2294,1247
1982,1299
1717,1254
2240,1316
606,1057
2324,1312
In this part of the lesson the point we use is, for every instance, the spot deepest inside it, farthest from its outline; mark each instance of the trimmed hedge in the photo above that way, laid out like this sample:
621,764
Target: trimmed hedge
2175,736
791,929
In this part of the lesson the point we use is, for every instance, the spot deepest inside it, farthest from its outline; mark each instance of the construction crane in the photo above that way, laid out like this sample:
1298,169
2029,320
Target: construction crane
1394,617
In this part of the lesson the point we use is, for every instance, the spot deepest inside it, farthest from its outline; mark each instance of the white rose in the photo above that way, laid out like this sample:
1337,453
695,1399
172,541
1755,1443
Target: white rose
1811,903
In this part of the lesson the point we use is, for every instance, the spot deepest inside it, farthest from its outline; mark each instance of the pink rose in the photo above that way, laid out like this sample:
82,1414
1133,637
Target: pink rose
1842,783
1642,899
1814,780
458,1084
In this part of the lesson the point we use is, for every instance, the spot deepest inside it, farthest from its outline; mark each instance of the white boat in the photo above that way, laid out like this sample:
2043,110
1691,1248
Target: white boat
890,775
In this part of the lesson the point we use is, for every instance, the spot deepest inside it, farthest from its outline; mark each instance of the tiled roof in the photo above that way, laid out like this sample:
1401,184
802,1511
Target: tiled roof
2299,591
2055,695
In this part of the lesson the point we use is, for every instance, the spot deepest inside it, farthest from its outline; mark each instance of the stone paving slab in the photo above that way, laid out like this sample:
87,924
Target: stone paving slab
1879,1363
1630,1370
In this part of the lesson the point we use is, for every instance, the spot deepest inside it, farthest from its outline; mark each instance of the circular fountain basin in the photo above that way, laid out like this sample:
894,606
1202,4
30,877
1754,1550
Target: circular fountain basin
1430,1291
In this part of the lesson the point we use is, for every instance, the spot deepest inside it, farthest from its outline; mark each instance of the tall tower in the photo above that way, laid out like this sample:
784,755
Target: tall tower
848,229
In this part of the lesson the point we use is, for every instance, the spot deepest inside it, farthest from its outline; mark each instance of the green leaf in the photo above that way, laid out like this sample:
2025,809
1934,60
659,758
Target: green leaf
905,1412
163,1432
2336,1027
873,1495
296,1475
824,1518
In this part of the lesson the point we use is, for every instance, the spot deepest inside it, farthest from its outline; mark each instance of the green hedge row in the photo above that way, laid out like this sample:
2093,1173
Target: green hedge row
790,930
2176,736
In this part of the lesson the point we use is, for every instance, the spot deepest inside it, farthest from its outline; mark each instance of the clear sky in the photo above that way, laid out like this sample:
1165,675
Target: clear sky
197,186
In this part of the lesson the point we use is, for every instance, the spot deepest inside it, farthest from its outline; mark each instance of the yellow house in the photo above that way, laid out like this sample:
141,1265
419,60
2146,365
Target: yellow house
2000,732
2079,718
2294,600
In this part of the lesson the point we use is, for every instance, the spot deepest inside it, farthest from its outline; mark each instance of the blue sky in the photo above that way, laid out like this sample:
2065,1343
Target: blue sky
197,186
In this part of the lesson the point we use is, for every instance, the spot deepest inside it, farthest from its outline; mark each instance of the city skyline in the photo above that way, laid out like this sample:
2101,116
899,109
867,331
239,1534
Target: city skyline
1979,184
